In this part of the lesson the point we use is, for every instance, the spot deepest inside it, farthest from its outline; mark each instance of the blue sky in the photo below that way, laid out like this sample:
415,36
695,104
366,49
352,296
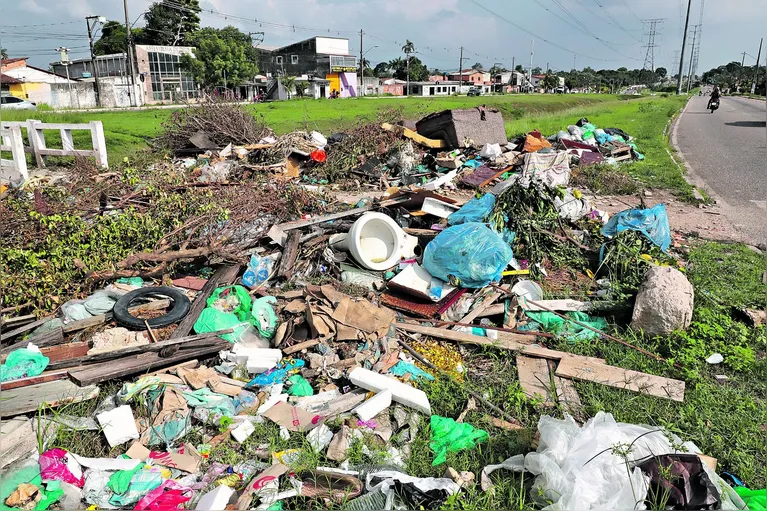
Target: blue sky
600,34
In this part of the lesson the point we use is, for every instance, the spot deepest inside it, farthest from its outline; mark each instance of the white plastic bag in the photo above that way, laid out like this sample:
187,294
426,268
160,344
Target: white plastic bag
491,151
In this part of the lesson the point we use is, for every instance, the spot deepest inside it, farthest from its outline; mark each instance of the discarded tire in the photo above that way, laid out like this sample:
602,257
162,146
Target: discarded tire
179,307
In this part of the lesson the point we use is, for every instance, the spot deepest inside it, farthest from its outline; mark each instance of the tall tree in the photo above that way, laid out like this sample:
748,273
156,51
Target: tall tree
408,47
222,57
381,69
3,53
661,72
114,40
418,72
171,22
477,66
550,82
519,68
537,70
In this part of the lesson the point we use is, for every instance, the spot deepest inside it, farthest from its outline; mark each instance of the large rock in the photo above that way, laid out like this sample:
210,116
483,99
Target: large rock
664,302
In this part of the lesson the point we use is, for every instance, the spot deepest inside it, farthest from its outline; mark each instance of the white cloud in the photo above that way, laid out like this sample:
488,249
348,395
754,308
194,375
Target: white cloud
33,7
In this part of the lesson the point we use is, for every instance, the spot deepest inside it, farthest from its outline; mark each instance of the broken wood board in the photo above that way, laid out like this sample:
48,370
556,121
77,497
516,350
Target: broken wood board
535,380
580,368
223,277
415,137
189,364
289,255
131,365
300,346
482,306
49,394
33,380
64,352
22,329
568,397
47,339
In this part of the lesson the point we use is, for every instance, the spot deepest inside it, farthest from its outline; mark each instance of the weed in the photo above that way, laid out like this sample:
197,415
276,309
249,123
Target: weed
604,179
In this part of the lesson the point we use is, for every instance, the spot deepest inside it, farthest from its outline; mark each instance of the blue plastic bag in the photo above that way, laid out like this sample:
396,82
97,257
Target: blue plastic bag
472,254
476,210
652,222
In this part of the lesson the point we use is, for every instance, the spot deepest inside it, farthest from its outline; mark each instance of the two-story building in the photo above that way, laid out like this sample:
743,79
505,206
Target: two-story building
325,62
471,76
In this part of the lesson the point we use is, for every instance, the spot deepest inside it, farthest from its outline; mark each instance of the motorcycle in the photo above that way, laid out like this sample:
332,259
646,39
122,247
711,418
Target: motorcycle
713,105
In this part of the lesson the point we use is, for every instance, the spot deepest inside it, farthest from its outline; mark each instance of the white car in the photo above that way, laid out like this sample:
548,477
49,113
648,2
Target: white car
14,103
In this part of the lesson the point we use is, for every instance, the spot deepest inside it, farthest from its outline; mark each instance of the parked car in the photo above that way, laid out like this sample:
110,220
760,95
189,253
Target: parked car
474,91
14,103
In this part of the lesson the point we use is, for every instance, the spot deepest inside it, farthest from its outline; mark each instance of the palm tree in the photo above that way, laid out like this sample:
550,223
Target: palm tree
408,48
288,82
3,53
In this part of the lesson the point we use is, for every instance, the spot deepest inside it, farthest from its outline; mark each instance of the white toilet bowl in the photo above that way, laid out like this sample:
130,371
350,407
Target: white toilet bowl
376,242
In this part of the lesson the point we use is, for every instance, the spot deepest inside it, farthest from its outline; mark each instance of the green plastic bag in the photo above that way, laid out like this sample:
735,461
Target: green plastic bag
120,480
213,320
572,332
263,316
450,436
300,386
22,363
29,472
140,484
756,500
234,299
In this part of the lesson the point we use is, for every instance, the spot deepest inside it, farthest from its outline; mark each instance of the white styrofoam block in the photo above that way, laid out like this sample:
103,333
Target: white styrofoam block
243,431
257,360
215,499
373,406
119,425
401,393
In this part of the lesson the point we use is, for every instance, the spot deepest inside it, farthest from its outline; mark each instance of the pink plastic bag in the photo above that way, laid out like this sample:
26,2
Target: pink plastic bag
57,465
169,495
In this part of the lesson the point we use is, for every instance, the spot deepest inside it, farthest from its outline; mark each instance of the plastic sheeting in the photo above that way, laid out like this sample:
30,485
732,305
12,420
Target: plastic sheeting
652,222
476,210
551,169
468,255
402,491
22,363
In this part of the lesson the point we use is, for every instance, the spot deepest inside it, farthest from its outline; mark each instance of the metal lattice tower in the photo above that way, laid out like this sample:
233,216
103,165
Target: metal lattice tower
675,66
651,33
696,53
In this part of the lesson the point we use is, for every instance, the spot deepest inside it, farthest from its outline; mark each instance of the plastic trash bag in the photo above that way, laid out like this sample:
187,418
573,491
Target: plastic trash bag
450,436
491,151
299,386
398,490
259,269
686,487
26,472
567,329
468,255
756,500
58,465
213,320
264,316
232,299
571,207
169,495
534,142
100,302
120,480
401,368
22,363
652,222
95,491
74,310
140,484
209,400
476,210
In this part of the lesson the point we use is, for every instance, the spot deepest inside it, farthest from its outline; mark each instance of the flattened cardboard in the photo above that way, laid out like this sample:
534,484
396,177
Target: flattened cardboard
292,417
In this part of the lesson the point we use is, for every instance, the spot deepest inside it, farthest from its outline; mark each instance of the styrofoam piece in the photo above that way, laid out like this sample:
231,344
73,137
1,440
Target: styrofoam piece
217,498
376,242
273,400
119,425
417,281
373,406
319,437
436,207
444,180
256,360
401,393
243,431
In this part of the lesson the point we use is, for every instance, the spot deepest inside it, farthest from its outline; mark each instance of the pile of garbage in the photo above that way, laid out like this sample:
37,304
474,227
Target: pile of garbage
327,324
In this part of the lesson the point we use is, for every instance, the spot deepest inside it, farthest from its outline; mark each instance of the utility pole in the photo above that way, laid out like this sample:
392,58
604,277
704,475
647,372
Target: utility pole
684,43
743,60
756,69
574,57
65,60
692,52
532,52
460,72
96,19
362,67
130,62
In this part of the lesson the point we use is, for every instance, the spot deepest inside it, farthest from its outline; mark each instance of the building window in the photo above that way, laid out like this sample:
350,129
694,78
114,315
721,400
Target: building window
452,89
278,60
294,59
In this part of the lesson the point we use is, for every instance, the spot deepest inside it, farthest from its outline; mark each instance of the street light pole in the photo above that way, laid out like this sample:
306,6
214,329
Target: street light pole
132,95
98,19
756,70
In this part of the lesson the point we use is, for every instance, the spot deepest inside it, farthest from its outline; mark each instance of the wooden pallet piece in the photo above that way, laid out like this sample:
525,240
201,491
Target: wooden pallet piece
535,380
482,306
131,365
643,383
50,394
223,277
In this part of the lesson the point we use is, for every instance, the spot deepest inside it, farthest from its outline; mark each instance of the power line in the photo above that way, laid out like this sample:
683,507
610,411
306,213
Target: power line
630,10
617,24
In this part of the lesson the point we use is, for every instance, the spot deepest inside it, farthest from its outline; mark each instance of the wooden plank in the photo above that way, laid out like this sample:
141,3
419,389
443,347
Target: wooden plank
64,352
482,306
49,394
48,339
85,359
289,255
534,379
131,365
580,369
568,397
300,346
493,310
506,340
17,320
223,277
33,380
23,329
415,137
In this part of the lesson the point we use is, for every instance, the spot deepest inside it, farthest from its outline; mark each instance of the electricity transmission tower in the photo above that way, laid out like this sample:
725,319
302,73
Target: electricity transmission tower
696,53
653,26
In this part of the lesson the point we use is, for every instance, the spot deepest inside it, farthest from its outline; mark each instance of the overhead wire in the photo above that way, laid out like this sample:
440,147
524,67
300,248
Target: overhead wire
617,24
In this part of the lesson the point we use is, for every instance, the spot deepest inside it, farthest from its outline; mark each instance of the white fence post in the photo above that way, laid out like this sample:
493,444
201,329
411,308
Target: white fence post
36,141
67,142
12,137
99,143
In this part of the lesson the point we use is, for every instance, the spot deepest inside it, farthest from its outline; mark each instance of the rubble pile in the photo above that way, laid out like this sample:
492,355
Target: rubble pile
267,300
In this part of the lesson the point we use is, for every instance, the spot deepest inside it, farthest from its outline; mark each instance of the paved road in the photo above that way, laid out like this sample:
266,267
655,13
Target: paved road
727,154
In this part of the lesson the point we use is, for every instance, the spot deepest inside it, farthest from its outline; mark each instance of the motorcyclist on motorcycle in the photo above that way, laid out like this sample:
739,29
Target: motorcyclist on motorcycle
715,95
